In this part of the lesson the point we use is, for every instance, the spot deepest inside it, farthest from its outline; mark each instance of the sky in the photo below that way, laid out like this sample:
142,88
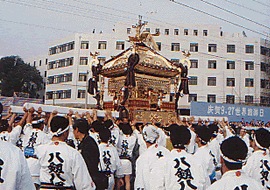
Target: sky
28,26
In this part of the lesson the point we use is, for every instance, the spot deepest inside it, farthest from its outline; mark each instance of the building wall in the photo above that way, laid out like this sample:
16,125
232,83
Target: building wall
202,89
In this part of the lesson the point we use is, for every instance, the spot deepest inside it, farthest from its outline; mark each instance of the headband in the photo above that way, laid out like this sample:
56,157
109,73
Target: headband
60,131
238,161
38,121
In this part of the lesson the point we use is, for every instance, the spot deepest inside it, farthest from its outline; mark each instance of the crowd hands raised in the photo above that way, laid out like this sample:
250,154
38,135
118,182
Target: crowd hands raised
85,151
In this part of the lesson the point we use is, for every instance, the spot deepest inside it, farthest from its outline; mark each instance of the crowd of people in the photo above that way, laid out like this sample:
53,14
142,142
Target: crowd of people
53,151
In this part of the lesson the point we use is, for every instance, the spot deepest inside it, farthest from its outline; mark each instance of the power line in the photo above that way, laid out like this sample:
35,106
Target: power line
59,11
261,3
219,18
37,25
228,11
237,4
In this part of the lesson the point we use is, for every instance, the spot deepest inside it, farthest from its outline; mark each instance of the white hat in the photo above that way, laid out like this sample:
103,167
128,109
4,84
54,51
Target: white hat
150,133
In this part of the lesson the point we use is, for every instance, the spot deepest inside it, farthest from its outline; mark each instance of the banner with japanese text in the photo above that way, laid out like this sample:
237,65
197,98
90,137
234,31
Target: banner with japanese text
233,111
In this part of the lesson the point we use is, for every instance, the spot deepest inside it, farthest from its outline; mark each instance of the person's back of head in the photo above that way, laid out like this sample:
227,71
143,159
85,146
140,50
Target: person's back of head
97,125
38,122
59,125
104,135
126,128
234,152
82,125
179,135
262,138
108,123
204,134
4,125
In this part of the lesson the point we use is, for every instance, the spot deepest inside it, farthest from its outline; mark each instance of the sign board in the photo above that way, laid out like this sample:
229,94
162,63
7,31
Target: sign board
234,112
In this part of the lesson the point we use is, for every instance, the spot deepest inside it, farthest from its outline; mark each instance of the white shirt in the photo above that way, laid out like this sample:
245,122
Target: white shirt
235,180
13,136
14,172
115,133
257,167
145,163
191,145
203,154
179,169
125,145
61,163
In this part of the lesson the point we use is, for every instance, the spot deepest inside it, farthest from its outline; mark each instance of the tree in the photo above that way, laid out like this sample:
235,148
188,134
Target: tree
17,76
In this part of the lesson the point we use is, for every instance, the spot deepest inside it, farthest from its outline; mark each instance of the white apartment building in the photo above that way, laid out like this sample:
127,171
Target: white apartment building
225,68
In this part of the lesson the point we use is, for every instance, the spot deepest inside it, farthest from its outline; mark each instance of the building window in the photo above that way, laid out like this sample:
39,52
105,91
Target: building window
249,48
84,45
249,82
45,73
49,95
211,98
211,81
185,32
205,33
175,46
128,30
157,31
81,93
39,62
194,47
102,45
263,83
195,32
61,63
46,62
231,82
249,65
176,32
265,51
230,64
82,76
230,48
175,61
230,99
67,94
83,60
50,79
263,67
120,45
34,63
69,61
148,30
159,45
101,60
212,64
167,32
194,63
212,47
192,97
193,80
221,33
248,99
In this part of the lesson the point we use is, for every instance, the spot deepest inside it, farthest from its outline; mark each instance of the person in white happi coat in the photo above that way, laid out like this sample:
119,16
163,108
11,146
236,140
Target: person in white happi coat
203,136
233,155
14,171
96,126
109,158
115,132
61,165
258,164
33,137
179,169
147,161
125,147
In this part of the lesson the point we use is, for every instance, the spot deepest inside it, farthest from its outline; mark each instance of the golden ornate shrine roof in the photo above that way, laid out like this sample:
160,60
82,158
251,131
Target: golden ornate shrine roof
150,63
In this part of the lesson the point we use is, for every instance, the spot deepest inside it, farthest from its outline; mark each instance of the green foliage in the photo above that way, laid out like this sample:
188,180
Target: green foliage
17,76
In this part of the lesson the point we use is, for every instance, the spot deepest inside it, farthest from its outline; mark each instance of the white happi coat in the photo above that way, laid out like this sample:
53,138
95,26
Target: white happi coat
62,164
33,138
177,170
14,173
145,163
13,136
109,161
258,167
204,155
115,133
125,145
235,180
95,136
